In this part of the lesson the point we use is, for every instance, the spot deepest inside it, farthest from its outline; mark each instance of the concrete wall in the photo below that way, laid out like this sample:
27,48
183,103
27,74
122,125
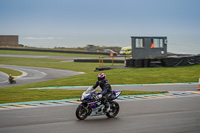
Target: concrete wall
9,40
147,52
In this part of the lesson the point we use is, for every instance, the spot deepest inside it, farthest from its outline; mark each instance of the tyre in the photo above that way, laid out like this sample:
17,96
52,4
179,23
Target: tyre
81,112
114,110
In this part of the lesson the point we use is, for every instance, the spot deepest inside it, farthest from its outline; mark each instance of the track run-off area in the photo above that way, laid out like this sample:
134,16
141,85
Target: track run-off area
177,111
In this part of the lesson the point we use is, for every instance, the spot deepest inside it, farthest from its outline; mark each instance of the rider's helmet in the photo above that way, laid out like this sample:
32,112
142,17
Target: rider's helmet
101,77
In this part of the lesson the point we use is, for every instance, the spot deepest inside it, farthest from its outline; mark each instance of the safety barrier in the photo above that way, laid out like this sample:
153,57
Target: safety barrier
164,62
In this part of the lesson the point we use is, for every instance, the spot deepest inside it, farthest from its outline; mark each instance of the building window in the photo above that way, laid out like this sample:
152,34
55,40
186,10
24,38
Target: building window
139,43
161,43
156,43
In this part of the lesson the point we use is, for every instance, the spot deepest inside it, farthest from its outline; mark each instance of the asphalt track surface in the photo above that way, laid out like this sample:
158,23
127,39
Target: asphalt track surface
34,74
168,115
165,115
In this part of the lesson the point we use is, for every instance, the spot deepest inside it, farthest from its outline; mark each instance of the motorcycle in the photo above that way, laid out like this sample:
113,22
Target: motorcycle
92,106
11,80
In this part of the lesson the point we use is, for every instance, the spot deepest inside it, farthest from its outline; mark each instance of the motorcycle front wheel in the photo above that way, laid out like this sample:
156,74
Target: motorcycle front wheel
114,110
81,112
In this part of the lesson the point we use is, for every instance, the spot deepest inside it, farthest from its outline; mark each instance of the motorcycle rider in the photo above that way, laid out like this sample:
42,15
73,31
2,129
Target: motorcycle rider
106,93
11,79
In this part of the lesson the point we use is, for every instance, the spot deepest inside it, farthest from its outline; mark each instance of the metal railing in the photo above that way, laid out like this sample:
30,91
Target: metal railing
101,59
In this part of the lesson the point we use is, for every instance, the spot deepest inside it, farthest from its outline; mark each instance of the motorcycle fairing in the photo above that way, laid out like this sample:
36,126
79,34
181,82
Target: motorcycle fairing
116,94
93,104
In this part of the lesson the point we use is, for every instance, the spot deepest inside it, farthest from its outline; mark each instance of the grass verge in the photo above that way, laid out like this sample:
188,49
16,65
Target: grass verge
10,71
24,95
52,63
128,76
20,93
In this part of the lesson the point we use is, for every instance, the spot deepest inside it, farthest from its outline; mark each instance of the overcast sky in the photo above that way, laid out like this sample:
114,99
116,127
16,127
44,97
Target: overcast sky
113,20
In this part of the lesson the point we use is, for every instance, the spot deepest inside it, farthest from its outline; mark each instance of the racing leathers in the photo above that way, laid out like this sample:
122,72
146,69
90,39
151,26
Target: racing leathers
106,92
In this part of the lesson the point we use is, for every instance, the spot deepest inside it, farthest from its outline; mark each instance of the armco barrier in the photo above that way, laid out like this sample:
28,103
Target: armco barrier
58,51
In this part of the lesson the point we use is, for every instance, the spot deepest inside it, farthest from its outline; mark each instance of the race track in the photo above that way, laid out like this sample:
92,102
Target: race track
34,74
173,114
168,115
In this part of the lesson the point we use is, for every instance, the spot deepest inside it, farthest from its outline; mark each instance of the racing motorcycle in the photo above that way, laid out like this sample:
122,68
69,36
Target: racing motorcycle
11,80
92,106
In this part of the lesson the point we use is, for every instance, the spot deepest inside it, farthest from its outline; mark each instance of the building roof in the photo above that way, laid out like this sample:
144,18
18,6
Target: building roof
148,37
7,35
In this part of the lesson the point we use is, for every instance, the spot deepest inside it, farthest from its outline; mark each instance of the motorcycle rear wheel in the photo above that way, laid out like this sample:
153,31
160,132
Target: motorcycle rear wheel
114,106
81,112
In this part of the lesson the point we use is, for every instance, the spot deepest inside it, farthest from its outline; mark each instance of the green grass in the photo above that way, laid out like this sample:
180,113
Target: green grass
20,93
10,71
51,63
13,52
12,95
129,76
115,76
21,61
